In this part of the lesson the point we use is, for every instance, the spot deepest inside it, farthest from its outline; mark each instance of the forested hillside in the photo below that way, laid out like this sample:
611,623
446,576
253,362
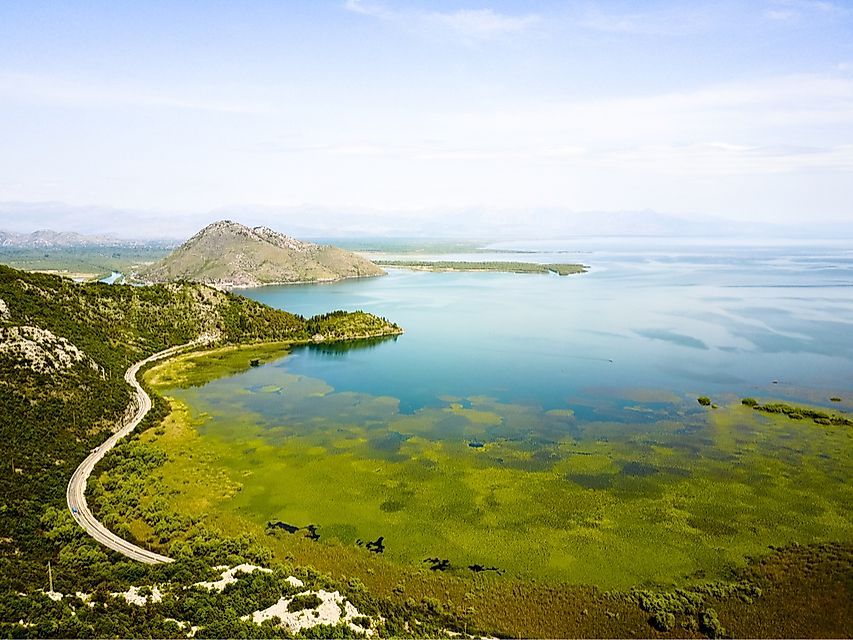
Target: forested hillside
64,348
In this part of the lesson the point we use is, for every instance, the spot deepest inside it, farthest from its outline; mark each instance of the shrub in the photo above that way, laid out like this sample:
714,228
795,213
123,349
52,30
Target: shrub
710,625
705,401
304,601
362,621
749,402
663,621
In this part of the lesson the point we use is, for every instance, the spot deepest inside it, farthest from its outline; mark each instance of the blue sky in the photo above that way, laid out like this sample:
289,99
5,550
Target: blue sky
740,110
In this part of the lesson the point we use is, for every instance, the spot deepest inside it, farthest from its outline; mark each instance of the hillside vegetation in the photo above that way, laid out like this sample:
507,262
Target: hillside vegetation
344,325
90,262
64,348
227,254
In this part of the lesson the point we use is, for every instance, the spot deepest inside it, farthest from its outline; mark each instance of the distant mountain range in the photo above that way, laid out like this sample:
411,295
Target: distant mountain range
474,223
48,239
227,254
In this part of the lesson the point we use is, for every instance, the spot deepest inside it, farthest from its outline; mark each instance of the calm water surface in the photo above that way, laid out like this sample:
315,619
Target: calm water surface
547,426
700,320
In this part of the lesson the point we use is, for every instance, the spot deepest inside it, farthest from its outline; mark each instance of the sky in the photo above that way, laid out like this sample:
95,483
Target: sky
170,113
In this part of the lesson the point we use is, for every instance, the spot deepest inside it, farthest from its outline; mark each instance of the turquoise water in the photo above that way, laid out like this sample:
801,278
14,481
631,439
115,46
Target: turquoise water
689,321
548,426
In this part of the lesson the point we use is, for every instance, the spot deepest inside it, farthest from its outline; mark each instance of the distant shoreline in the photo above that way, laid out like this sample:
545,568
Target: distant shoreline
490,266
230,286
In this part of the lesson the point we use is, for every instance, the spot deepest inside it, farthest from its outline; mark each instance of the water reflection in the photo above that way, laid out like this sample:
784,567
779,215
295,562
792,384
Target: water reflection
549,426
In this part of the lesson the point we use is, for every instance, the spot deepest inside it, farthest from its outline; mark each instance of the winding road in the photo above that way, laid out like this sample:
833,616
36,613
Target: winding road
75,495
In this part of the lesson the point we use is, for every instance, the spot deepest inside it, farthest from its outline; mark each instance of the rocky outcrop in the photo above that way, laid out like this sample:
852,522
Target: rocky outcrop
40,350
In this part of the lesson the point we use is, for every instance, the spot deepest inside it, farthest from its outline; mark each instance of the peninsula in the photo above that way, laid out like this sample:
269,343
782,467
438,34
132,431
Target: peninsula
497,266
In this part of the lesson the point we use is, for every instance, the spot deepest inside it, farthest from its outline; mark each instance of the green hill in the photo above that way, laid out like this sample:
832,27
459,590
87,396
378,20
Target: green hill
226,254
64,348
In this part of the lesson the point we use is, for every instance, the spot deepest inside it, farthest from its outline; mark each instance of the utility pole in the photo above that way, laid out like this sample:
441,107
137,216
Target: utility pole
50,576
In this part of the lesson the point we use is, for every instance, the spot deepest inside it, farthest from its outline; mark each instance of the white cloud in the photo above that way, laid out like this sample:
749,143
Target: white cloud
792,11
367,8
475,155
771,126
764,146
715,159
358,150
782,15
676,21
703,159
760,112
469,24
822,6
53,90
482,23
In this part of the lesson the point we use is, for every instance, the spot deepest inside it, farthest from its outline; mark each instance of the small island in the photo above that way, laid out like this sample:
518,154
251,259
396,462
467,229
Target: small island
496,266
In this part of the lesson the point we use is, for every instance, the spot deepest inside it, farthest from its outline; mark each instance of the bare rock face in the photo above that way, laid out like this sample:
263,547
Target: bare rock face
283,241
41,350
226,254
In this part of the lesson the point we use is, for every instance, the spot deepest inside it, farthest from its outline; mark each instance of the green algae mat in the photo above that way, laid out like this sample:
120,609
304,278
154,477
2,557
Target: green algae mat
476,486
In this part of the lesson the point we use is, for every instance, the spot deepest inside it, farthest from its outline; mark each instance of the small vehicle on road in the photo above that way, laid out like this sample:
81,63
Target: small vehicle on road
74,510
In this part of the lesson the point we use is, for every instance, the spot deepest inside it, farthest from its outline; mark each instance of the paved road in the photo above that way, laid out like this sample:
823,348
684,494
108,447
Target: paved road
76,493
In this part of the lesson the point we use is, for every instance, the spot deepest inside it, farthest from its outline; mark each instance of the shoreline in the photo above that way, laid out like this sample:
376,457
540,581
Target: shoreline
523,268
75,494
231,286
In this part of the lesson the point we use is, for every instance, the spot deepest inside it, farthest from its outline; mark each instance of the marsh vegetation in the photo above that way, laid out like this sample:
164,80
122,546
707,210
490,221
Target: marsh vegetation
642,513
596,505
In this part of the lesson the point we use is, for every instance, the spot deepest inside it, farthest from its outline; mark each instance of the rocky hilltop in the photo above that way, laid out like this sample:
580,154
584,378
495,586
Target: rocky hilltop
226,254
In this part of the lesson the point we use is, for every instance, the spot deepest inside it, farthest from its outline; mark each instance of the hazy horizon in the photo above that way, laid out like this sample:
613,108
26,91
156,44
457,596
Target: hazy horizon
368,116
472,225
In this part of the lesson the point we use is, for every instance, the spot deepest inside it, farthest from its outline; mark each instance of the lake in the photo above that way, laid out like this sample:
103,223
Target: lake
548,427
711,320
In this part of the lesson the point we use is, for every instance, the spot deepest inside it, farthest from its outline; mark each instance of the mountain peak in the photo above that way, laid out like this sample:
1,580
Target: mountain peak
229,254
261,234
222,226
